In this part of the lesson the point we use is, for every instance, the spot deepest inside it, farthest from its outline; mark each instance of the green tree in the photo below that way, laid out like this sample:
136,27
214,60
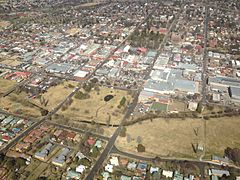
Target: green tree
10,163
85,162
123,101
95,152
87,87
20,162
123,132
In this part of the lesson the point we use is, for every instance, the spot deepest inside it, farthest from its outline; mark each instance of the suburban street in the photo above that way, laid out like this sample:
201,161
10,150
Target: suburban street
205,57
119,89
112,140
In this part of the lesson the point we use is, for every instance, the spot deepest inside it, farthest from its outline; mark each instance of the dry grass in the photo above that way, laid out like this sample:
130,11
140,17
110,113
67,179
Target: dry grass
165,138
108,131
73,31
18,104
57,94
89,4
221,133
11,62
5,85
95,108
177,106
174,137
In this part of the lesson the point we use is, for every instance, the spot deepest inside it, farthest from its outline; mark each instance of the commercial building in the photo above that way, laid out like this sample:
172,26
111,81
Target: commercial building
234,92
79,74
161,88
59,68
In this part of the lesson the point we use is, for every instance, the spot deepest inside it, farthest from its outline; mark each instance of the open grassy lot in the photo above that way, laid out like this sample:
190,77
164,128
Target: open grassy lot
96,109
90,4
175,137
177,106
57,94
11,62
5,85
73,31
19,104
165,137
221,133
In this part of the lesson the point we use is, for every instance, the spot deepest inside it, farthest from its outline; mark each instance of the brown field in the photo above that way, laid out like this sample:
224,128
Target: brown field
222,133
18,104
89,4
174,138
5,85
95,108
57,94
177,106
73,31
11,62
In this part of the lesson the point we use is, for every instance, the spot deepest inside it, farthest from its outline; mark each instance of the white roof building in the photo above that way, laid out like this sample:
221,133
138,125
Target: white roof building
167,173
154,169
114,161
192,106
81,74
109,168
80,169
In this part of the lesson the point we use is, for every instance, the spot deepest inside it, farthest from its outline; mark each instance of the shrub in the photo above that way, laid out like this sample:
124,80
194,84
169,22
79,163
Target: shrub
141,148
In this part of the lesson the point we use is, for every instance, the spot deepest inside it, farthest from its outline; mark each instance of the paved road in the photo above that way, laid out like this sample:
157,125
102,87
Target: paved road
205,57
78,130
200,164
60,104
130,109
39,122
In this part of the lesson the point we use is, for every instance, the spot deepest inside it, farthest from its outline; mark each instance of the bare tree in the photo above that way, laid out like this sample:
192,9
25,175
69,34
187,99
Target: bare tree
139,139
129,138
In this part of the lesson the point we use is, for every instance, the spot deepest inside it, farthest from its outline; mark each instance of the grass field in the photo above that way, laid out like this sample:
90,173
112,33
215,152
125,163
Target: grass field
174,138
177,106
73,31
18,104
222,133
11,62
57,94
5,85
95,108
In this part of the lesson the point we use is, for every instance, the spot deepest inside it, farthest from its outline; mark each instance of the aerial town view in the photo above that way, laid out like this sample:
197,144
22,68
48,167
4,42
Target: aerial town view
119,89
